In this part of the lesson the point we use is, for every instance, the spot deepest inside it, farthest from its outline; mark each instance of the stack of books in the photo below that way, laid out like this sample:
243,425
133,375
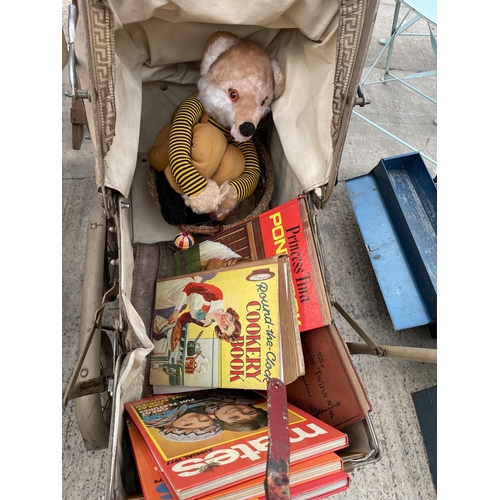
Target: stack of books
213,445
245,305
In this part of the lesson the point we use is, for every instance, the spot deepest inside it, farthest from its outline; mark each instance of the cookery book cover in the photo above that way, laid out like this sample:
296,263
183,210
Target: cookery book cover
204,441
331,388
229,327
287,229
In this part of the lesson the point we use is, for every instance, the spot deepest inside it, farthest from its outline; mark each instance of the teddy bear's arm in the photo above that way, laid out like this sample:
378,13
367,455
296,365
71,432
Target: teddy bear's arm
246,183
187,114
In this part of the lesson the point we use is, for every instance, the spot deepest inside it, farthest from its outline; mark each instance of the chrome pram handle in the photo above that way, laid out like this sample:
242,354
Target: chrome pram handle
73,78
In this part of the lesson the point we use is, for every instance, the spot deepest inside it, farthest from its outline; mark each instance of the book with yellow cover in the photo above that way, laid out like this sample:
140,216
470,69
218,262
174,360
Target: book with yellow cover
228,328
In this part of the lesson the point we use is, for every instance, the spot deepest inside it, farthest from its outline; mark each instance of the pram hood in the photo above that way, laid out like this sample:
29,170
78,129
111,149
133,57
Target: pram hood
130,45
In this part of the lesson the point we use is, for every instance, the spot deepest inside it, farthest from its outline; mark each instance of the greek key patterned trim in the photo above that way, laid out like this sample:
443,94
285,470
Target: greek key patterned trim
103,58
103,54
351,20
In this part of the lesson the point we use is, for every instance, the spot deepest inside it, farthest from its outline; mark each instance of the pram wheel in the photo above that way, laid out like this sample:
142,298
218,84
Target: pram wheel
93,410
107,364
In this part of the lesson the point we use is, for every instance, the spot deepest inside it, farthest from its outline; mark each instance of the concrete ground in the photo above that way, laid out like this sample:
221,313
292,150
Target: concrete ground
403,469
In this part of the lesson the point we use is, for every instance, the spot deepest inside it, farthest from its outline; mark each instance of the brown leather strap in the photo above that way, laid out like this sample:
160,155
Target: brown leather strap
277,481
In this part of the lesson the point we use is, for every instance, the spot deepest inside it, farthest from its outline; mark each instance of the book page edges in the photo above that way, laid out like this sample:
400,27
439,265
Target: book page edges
316,262
291,346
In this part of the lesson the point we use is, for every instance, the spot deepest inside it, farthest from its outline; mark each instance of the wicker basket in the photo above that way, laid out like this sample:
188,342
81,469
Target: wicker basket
254,205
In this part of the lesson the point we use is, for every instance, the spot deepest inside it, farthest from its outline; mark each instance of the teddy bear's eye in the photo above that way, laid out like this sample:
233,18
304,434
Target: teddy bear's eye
233,94
264,101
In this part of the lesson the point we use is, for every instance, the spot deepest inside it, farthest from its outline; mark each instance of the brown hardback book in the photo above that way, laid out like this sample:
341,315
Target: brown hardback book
287,229
331,388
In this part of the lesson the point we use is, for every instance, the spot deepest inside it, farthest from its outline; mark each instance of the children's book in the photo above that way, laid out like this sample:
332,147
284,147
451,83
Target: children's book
152,483
287,229
330,389
204,441
231,327
306,471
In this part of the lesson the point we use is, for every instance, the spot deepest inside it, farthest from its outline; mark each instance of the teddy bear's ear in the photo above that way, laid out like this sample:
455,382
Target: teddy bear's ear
217,43
279,79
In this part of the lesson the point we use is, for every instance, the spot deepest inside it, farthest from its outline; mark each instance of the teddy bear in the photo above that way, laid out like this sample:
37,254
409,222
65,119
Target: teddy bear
205,160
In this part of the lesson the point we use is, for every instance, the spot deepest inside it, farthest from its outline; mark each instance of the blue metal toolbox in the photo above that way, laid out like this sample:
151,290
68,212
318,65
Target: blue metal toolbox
396,210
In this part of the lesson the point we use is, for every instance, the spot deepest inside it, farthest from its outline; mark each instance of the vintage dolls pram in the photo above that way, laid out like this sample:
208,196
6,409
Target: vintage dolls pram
130,65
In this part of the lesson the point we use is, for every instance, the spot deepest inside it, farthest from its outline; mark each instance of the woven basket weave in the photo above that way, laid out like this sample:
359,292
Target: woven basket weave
254,205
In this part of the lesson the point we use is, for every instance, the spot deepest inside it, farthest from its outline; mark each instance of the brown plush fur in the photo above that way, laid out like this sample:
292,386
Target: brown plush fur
238,82
229,63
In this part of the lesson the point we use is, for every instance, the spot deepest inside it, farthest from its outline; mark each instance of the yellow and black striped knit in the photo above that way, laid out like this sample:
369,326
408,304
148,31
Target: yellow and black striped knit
186,115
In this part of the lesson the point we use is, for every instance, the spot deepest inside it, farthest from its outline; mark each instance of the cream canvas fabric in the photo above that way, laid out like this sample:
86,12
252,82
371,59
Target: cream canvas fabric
162,43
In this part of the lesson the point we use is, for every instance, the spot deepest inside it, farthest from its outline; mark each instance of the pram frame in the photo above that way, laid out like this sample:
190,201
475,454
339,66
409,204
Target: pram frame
101,116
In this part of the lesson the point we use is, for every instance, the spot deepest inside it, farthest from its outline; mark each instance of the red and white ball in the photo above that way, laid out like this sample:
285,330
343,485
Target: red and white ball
183,241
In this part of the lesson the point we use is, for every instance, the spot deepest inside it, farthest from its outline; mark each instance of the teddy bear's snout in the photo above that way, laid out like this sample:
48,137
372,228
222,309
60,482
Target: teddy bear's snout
247,129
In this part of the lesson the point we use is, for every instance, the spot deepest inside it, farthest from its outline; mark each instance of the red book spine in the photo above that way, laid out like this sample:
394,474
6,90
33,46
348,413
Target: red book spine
282,232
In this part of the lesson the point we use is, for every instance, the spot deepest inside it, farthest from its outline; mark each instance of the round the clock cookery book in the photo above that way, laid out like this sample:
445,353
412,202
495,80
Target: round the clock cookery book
228,328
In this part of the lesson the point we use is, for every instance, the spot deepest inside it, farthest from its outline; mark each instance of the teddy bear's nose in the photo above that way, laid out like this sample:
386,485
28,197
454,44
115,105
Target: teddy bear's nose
247,129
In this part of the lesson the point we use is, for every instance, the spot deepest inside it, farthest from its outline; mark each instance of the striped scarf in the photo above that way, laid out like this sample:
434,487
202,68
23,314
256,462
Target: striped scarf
185,116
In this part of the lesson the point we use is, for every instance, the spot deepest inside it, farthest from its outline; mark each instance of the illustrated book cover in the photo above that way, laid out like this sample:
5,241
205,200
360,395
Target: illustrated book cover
229,327
331,388
286,229
204,441
152,483
306,471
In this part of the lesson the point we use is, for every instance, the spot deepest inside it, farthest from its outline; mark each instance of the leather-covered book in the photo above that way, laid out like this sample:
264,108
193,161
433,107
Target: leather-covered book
331,389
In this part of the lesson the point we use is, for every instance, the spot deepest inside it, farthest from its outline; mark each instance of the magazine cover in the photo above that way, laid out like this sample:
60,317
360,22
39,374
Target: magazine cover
222,328
202,441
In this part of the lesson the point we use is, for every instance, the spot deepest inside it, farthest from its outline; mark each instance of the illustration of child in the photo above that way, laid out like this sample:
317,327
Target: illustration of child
239,417
235,411
188,422
193,425
207,414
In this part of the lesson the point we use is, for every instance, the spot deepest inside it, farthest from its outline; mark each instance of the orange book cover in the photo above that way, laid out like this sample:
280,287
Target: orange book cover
204,440
229,328
330,389
287,229
319,488
152,483
309,470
